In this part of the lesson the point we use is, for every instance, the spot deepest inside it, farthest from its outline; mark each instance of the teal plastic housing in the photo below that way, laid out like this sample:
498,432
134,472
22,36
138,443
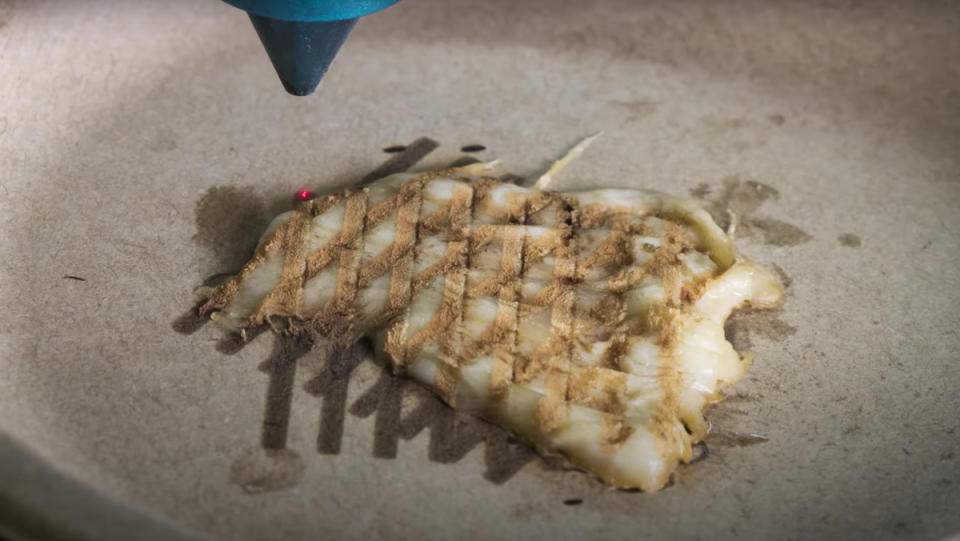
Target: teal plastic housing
302,37
311,10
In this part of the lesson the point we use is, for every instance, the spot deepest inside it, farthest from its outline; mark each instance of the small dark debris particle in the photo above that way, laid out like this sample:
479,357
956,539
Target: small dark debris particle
473,148
777,119
573,501
72,277
849,240
701,190
904,449
947,456
393,149
568,221
632,490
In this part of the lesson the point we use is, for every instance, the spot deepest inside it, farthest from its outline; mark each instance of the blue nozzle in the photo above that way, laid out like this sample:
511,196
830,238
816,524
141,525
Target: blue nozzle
301,52
302,37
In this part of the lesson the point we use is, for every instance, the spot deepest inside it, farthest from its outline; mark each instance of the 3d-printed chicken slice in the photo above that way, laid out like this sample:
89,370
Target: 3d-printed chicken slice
589,323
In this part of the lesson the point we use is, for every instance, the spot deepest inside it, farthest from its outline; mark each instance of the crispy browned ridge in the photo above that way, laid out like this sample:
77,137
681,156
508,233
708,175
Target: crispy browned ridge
600,386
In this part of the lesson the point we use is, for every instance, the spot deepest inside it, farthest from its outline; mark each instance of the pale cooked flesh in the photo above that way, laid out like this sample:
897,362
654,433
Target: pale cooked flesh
587,323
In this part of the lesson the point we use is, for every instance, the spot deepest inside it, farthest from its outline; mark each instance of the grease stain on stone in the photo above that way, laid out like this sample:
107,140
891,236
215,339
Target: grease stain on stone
230,220
267,470
745,323
6,12
849,240
701,191
777,119
779,233
743,198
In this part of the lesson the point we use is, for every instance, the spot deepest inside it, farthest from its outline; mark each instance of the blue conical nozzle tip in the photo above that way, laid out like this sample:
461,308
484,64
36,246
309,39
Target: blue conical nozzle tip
301,51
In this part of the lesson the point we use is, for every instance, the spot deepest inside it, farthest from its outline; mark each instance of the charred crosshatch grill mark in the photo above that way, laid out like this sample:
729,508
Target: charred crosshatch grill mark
452,435
633,441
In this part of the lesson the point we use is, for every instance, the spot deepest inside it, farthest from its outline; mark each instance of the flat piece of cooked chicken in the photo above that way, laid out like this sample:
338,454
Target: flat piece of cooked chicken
587,323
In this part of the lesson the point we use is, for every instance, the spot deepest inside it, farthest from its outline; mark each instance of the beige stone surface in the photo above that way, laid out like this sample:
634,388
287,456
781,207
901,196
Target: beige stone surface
143,145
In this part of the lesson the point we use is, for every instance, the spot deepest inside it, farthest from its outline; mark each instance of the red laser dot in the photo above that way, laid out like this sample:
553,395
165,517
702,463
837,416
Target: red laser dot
303,194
